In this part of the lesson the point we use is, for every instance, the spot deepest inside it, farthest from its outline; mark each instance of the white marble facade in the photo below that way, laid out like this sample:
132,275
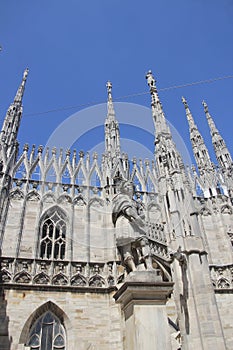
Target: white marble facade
91,261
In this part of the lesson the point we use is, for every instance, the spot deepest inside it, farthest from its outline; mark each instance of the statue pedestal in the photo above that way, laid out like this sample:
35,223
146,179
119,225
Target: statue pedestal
143,299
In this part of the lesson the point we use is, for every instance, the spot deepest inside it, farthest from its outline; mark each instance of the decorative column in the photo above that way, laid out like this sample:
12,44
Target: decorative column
143,300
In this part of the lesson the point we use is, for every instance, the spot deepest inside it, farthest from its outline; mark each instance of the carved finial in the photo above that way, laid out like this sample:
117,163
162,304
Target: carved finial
151,81
20,92
188,113
26,147
204,104
109,89
25,74
184,102
95,155
40,149
153,90
81,154
111,112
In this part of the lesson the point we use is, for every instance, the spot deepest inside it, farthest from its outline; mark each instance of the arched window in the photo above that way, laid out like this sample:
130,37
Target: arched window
47,333
53,236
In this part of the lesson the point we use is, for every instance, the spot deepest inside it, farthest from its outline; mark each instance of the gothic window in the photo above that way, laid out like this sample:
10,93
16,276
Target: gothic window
47,333
53,236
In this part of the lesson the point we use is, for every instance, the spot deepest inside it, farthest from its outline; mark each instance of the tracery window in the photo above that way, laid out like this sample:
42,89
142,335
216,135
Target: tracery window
53,236
47,333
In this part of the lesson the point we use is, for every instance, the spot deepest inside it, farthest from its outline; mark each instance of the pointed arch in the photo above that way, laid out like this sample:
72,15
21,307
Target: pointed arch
137,179
118,170
49,197
65,198
21,169
35,172
17,194
66,173
52,234
80,174
95,176
33,195
150,183
51,171
51,307
79,200
96,202
97,281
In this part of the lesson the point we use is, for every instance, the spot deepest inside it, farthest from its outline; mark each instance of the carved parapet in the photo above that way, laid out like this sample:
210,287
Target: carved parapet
49,274
222,278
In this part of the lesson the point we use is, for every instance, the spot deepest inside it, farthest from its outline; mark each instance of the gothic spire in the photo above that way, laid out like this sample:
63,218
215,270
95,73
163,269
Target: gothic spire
167,156
161,126
189,116
19,95
222,154
112,134
111,112
13,117
200,150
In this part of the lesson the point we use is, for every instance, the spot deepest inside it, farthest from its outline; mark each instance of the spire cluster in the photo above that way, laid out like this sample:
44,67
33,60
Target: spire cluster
168,159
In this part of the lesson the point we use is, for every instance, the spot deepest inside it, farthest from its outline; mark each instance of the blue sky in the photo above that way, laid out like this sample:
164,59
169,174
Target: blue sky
73,47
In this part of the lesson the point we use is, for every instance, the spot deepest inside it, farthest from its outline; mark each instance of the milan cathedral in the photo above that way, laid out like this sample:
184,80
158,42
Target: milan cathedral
115,253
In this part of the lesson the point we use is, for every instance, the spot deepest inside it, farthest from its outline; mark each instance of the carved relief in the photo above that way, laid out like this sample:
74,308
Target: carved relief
49,198
205,211
33,196
22,277
41,278
5,276
16,194
79,201
226,209
78,280
60,279
65,198
222,276
223,283
96,281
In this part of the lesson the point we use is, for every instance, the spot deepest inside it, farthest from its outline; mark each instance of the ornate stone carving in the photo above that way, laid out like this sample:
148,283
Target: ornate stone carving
5,276
17,194
60,279
33,196
46,275
49,197
205,211
79,201
22,277
222,276
65,198
41,278
226,209
78,280
96,281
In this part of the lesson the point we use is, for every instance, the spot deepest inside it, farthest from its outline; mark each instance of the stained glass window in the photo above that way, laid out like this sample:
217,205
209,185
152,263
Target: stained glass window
47,334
